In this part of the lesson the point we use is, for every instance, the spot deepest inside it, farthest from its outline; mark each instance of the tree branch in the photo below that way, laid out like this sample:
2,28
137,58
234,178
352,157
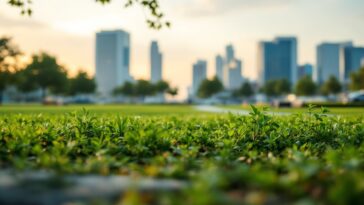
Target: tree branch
155,19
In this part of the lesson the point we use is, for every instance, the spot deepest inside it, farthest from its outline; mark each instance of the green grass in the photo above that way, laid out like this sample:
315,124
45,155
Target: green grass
337,111
225,159
151,110
102,109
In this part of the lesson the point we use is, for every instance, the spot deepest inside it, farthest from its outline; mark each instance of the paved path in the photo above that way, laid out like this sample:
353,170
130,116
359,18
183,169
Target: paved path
214,109
44,188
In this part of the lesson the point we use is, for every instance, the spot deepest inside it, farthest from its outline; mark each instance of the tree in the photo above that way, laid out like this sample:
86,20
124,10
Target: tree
210,87
331,86
127,89
172,91
161,86
357,80
305,87
283,87
8,58
26,81
144,88
277,87
245,90
269,88
44,73
154,20
4,81
82,84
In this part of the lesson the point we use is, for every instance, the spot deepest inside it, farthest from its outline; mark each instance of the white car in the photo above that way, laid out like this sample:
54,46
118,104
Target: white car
356,96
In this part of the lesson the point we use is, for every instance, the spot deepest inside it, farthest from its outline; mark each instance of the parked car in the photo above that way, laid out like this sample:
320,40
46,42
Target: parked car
281,103
356,96
79,100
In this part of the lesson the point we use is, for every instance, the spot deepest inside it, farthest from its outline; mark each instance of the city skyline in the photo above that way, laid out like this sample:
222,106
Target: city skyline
202,28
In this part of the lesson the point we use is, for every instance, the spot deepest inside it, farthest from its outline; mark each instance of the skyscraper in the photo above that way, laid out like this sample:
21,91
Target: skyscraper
112,60
230,53
305,70
328,61
219,65
199,74
278,60
231,75
155,62
233,72
351,61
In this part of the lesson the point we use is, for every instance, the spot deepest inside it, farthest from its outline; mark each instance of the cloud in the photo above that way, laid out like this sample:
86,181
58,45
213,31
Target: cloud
20,22
200,8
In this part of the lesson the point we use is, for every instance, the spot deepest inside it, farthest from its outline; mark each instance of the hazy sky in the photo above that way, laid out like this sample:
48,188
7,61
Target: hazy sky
200,30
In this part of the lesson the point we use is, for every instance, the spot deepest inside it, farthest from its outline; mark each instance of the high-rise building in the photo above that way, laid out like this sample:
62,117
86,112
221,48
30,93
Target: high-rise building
278,60
233,72
329,60
219,66
199,74
305,70
155,62
230,53
112,60
351,61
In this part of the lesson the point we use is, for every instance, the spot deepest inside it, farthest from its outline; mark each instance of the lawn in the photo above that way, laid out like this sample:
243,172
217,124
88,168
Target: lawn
337,111
145,110
218,159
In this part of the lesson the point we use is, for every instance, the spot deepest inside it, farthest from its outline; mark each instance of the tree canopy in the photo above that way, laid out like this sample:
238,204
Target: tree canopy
45,73
331,86
155,18
161,86
172,91
277,87
8,55
245,90
142,88
127,89
305,87
82,84
357,80
209,87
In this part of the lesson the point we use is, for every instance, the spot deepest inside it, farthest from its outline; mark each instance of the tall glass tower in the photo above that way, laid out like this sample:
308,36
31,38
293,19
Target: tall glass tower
199,74
278,60
155,62
112,60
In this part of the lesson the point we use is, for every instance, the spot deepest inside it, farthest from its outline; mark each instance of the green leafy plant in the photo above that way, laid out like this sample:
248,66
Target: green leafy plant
313,158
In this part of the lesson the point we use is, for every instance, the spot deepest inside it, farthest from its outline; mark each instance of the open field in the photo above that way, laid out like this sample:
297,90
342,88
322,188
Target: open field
358,111
144,110
156,110
212,159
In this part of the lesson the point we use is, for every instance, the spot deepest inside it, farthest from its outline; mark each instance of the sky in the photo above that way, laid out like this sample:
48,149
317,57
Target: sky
200,30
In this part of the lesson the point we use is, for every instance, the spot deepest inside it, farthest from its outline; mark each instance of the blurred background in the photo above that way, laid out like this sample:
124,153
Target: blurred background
288,52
